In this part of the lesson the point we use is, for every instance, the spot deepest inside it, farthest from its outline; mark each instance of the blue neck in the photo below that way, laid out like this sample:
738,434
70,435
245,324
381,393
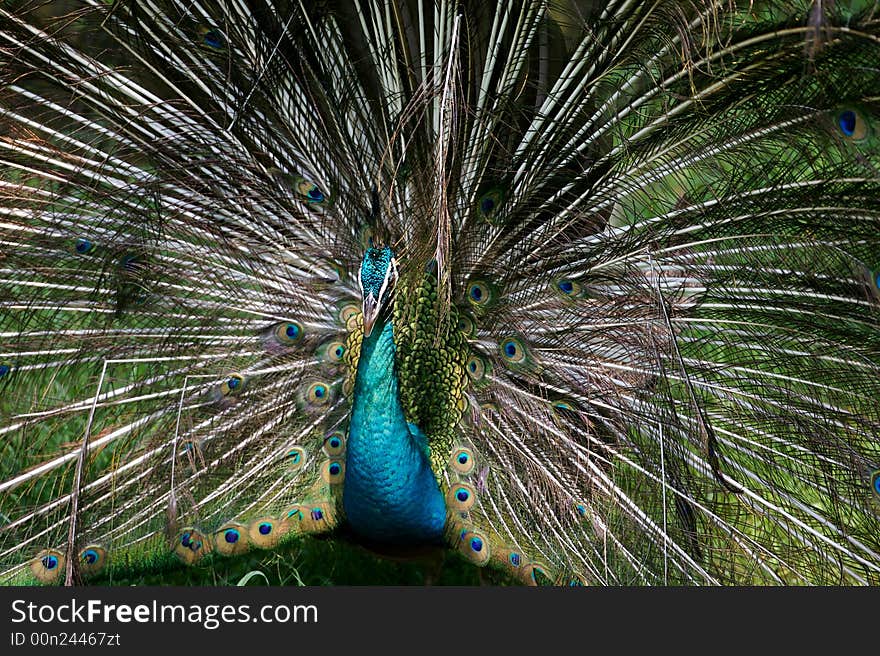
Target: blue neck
390,493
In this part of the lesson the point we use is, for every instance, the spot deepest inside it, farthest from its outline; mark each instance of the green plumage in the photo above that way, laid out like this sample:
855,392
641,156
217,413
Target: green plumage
431,353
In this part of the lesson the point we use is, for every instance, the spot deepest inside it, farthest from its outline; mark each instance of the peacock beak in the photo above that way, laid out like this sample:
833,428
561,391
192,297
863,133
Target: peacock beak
371,312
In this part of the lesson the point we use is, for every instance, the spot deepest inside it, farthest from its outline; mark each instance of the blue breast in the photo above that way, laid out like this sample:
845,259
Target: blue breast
390,493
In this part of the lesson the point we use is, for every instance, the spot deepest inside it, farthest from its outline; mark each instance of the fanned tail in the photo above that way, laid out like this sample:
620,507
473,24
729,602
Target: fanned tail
638,313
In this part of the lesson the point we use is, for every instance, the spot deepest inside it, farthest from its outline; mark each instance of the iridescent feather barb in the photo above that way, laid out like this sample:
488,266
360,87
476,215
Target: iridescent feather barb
586,293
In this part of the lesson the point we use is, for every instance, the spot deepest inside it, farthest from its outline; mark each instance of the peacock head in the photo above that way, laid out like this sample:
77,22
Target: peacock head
377,277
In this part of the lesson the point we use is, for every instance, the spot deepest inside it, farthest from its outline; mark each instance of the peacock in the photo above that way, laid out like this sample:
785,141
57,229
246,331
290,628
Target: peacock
566,292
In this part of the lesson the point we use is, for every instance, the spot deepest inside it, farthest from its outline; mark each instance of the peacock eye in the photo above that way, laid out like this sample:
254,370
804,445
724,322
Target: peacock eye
190,546
462,461
266,532
348,314
564,404
875,482
334,445
514,559
212,38
231,539
852,124
513,350
475,367
318,393
460,498
332,352
92,559
289,332
474,547
570,288
234,384
333,472
84,246
48,566
466,326
479,293
489,203
309,191
538,575
296,457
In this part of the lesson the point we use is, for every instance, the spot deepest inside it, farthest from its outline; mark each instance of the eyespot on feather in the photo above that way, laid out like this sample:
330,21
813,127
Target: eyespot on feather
309,191
92,559
333,472
851,123
331,352
296,458
564,404
348,315
317,394
476,368
513,350
466,325
84,246
460,497
334,444
48,566
266,532
311,518
511,560
211,38
489,205
536,574
231,539
462,461
475,547
191,545
568,288
233,385
288,333
480,294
